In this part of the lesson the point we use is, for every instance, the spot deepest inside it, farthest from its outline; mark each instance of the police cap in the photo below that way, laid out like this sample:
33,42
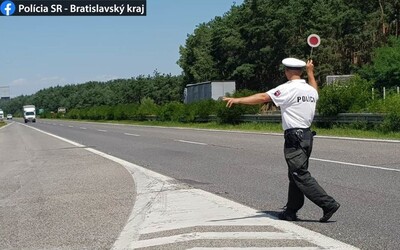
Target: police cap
293,63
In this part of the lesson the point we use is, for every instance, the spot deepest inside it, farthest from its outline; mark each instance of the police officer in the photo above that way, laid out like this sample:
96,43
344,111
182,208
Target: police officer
297,101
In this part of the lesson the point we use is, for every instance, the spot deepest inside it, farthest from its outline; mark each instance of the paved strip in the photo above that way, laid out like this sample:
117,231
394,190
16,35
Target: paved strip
164,204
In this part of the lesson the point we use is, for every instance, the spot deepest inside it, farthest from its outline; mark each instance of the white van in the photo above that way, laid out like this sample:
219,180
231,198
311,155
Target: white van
29,113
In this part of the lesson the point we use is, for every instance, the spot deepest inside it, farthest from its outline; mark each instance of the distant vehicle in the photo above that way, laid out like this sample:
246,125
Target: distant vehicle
9,116
29,113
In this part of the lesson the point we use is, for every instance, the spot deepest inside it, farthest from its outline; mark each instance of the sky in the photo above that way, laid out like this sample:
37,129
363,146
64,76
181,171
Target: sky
38,52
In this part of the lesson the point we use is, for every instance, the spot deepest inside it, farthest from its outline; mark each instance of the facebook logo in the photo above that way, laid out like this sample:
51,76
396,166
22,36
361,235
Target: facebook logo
7,8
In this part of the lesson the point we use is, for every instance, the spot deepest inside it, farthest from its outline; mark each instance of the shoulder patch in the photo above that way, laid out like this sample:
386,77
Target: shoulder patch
277,93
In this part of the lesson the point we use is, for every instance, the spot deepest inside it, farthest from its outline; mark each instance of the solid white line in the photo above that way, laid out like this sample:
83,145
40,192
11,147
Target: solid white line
357,139
6,125
131,134
102,130
192,142
214,236
258,248
83,128
355,164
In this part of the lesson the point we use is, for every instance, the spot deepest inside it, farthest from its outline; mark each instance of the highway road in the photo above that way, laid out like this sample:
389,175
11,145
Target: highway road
249,168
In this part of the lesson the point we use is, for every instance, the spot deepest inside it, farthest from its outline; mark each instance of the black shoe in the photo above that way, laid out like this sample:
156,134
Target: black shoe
328,214
285,215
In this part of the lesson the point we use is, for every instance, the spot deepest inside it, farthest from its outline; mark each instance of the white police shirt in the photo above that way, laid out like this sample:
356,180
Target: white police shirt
297,100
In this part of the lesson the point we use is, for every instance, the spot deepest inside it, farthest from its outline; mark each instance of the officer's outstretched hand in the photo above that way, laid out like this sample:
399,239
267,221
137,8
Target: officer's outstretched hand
230,101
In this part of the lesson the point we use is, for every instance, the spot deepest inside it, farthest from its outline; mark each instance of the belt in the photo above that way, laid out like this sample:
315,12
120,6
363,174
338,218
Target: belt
296,130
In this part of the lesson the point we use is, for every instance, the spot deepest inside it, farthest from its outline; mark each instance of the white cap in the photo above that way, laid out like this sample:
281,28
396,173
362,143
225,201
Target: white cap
293,63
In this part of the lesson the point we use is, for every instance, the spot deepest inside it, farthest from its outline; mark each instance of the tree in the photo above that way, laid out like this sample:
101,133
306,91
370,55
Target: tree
385,67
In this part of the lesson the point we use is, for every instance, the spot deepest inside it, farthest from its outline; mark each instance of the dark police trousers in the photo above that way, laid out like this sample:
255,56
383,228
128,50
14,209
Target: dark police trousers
297,150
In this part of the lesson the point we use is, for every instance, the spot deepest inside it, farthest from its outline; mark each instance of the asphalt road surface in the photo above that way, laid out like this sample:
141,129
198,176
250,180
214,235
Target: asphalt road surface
57,196
249,168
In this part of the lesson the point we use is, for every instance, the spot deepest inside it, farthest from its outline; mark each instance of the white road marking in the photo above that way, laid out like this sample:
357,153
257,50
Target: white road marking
131,134
192,142
70,126
82,128
259,248
62,125
102,130
357,139
355,164
213,236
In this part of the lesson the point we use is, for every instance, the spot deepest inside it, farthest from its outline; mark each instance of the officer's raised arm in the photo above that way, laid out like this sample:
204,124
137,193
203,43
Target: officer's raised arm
310,74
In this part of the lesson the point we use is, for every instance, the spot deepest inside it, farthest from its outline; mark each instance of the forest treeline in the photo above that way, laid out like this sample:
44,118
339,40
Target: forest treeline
247,44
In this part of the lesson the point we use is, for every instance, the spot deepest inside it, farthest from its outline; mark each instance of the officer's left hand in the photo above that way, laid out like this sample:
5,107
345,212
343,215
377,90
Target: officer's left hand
230,101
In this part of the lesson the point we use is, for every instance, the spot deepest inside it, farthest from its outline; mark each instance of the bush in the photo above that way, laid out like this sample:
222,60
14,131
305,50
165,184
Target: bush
173,111
229,115
350,96
232,115
391,122
120,112
147,108
391,107
203,109
72,114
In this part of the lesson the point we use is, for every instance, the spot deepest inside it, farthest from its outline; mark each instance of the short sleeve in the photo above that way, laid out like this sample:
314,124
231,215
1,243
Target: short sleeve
278,95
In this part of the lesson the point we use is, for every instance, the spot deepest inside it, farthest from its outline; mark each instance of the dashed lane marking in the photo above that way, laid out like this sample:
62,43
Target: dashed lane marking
131,134
192,142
